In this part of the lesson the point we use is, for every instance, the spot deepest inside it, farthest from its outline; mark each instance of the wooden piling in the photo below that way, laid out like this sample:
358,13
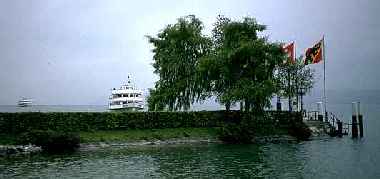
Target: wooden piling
320,117
278,106
354,127
340,128
361,126
354,124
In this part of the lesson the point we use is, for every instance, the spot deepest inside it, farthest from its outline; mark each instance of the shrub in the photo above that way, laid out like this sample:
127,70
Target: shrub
69,122
157,136
51,141
300,131
236,134
185,134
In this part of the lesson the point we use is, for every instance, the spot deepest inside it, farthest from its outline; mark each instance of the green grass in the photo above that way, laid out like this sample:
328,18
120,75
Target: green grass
144,134
8,139
147,134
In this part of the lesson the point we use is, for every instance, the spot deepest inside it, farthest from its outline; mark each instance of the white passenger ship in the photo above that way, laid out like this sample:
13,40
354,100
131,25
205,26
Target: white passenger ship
24,102
127,98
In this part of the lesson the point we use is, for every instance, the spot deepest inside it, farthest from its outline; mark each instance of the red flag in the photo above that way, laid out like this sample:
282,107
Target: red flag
289,50
314,54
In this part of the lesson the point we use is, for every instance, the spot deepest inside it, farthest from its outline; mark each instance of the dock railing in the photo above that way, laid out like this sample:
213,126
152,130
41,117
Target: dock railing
311,115
330,119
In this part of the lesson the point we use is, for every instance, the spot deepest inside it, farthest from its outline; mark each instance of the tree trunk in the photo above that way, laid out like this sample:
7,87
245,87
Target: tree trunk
289,92
278,104
297,102
228,106
247,106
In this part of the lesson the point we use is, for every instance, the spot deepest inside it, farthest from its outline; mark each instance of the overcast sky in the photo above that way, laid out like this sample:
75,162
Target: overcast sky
75,51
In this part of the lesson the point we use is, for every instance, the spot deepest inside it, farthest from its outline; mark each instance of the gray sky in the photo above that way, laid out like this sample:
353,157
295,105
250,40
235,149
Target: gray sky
75,51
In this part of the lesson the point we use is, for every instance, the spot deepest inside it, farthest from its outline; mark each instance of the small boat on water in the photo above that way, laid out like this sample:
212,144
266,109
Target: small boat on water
24,102
126,98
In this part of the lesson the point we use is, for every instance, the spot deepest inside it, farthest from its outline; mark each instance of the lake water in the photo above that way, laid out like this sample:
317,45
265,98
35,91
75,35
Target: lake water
319,158
54,108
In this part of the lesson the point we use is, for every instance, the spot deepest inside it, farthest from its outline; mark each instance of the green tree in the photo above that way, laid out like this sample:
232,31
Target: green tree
155,102
177,50
241,65
292,77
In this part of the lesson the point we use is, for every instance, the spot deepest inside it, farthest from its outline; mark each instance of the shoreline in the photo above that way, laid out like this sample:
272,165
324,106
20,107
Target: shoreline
169,142
13,150
145,128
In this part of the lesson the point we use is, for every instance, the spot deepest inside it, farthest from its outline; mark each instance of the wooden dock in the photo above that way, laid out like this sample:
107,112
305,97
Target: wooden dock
320,125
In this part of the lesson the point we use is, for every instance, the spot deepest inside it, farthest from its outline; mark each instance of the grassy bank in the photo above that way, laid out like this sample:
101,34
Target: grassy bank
137,126
135,135
132,135
148,134
8,139
16,123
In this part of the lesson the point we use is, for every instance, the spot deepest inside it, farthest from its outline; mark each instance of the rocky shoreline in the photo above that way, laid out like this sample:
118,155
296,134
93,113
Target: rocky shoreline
89,146
9,150
275,139
318,128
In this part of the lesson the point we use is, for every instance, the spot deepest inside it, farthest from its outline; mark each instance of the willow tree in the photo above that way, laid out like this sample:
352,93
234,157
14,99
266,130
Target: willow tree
241,64
177,50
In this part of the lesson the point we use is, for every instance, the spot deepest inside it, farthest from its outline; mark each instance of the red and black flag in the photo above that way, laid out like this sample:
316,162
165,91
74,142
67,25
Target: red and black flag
314,54
289,50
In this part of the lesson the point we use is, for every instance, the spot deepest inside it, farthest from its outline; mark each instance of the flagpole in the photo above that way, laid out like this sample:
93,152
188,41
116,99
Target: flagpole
324,76
294,56
296,75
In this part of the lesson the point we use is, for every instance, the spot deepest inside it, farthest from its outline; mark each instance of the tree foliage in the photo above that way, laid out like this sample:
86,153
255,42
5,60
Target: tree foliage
177,50
241,65
236,64
294,76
